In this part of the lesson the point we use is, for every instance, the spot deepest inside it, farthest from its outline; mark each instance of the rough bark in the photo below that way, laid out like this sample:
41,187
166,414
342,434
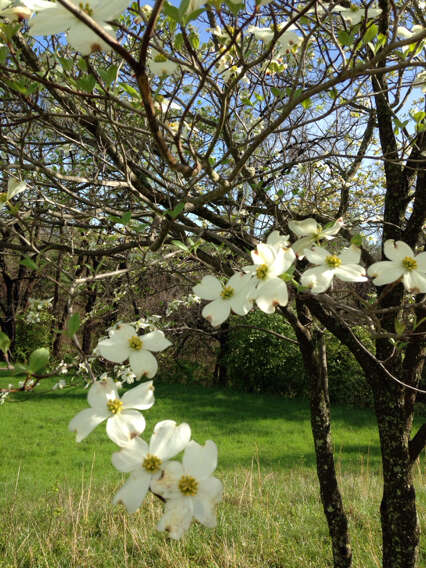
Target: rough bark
315,363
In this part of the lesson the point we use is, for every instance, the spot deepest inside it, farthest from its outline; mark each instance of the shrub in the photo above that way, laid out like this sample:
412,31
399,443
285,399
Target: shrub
257,361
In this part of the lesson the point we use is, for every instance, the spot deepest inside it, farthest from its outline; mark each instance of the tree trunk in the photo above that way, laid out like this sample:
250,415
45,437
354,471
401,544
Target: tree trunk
220,371
400,527
314,355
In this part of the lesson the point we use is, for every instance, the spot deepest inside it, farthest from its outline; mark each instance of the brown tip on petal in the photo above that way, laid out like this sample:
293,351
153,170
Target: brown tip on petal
133,435
275,303
95,47
209,319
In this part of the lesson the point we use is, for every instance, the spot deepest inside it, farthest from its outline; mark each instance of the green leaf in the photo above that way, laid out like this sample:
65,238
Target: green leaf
356,240
130,90
171,11
38,360
125,218
73,324
4,342
86,83
193,15
4,52
279,93
29,263
194,40
399,327
234,8
67,64
345,37
180,245
371,33
178,41
81,64
176,211
307,103
109,75
183,7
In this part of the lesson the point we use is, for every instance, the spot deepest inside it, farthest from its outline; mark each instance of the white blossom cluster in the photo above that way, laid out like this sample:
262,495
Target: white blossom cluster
264,281
188,488
35,310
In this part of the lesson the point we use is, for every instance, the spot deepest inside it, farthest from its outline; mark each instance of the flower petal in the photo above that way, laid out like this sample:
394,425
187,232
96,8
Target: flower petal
140,397
133,491
86,41
333,230
104,11
317,255
167,485
123,427
208,289
350,255
350,273
415,282
301,244
306,227
86,421
385,272
155,341
168,439
421,261
397,250
143,363
52,20
209,494
177,517
217,312
200,461
114,349
100,393
263,254
270,294
130,458
318,279
241,304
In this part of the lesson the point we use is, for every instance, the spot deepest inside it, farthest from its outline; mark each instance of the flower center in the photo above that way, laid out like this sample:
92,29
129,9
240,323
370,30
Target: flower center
409,263
86,8
227,292
160,58
115,406
151,463
262,271
135,343
188,485
333,261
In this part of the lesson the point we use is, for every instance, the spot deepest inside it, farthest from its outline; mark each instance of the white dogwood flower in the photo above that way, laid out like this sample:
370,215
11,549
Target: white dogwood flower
190,489
355,14
276,240
402,263
344,266
311,233
54,19
124,343
270,263
286,42
145,463
234,295
160,65
124,422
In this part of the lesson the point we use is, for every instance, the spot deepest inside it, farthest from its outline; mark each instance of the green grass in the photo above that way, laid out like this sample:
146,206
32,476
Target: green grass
55,495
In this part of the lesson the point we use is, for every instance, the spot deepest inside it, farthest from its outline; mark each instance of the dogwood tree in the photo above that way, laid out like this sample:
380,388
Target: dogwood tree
211,125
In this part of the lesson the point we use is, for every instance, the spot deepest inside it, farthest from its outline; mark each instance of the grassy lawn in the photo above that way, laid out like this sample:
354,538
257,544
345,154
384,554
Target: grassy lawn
55,495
